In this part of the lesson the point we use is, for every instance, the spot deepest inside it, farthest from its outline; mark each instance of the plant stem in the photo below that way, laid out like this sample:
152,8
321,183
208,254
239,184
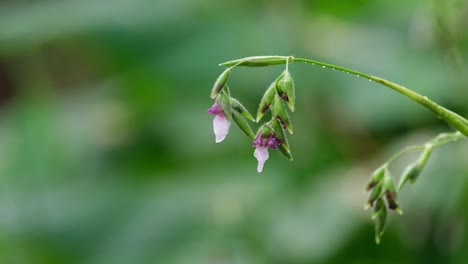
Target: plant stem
434,142
453,119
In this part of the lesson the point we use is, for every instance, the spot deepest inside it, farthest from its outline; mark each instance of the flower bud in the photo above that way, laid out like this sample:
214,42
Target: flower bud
378,208
380,220
390,193
264,139
258,61
285,86
242,124
220,83
279,133
412,172
266,101
264,131
237,106
224,102
280,113
375,194
375,178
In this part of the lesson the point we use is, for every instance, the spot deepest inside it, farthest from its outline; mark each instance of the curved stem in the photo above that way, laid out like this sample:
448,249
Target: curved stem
434,142
453,119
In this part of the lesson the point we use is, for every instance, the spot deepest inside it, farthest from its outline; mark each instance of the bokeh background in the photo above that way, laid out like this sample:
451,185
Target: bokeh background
107,153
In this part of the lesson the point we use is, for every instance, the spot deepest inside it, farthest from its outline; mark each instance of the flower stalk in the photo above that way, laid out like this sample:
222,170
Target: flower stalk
455,120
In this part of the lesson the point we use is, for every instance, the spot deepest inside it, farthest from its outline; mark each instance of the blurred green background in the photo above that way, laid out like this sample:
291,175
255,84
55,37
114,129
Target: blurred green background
107,153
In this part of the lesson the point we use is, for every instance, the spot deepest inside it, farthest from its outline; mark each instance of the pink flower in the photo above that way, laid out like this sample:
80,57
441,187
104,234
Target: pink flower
220,123
261,152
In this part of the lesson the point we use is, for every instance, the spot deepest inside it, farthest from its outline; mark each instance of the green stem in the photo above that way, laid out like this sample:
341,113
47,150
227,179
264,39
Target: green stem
434,142
453,119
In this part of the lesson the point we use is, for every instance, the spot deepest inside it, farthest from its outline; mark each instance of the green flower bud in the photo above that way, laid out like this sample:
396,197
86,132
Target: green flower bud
237,106
264,130
378,208
278,130
390,193
280,113
412,171
258,61
266,101
374,195
220,83
285,86
242,124
380,220
375,178
224,101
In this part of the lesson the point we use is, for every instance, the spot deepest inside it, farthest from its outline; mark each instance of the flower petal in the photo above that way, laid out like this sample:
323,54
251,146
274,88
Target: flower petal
215,109
220,127
261,153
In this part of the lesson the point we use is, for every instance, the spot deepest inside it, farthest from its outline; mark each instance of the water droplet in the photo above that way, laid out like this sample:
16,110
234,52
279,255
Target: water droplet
323,67
370,80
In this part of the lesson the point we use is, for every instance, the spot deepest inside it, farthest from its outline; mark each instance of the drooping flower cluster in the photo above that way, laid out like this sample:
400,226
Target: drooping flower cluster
272,133
383,194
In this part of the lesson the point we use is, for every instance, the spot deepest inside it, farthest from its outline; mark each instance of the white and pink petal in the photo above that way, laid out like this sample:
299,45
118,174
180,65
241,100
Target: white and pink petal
221,127
261,153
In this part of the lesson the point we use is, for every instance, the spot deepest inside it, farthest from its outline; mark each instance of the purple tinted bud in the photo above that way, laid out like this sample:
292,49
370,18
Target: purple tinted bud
262,144
257,141
272,142
220,123
215,109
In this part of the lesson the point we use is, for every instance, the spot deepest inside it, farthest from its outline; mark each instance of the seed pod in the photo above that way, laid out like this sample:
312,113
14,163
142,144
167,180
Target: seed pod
220,83
237,106
266,101
285,87
258,61
280,113
375,178
242,124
